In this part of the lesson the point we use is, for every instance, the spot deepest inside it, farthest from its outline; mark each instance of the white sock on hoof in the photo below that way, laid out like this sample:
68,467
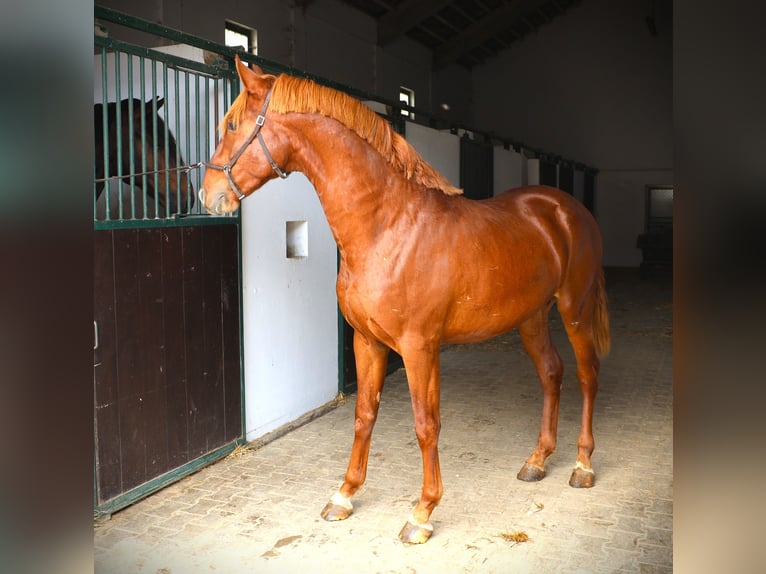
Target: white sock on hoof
427,526
339,500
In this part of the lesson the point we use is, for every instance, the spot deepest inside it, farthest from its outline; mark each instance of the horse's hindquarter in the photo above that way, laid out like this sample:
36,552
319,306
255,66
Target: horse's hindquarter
458,269
508,265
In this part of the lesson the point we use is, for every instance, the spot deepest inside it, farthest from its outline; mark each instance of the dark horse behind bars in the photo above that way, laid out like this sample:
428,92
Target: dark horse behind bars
141,148
421,265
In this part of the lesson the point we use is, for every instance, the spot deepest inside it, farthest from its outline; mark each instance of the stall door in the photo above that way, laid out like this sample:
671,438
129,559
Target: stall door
476,168
167,354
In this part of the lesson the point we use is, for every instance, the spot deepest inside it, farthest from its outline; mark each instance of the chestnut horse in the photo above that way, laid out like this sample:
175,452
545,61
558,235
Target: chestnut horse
141,148
421,265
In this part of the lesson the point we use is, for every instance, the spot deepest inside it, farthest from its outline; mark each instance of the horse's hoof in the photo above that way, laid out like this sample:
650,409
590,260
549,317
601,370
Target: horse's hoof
339,508
332,512
582,477
415,533
530,473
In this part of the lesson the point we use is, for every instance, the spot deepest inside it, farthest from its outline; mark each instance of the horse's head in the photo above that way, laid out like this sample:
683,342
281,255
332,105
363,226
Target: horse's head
155,145
252,147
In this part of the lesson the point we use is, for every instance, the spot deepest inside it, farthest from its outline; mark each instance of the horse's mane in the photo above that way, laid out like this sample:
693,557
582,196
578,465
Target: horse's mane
292,94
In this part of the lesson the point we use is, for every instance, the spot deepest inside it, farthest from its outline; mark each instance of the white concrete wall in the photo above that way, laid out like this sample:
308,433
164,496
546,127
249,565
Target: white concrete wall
438,148
508,172
328,37
594,86
620,211
533,171
289,307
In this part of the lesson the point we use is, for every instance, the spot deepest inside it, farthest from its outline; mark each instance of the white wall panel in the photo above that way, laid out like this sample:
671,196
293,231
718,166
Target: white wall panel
533,171
507,171
290,307
440,149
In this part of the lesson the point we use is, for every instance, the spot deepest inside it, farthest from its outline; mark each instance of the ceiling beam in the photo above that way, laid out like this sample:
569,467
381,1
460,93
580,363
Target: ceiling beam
479,32
406,16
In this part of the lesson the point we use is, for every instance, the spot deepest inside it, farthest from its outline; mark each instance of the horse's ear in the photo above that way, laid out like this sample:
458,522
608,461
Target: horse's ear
147,106
253,79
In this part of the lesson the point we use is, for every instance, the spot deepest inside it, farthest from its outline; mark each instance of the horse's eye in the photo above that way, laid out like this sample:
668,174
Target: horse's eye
232,127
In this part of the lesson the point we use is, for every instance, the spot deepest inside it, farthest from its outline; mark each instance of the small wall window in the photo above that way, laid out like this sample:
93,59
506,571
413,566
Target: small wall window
659,208
297,233
407,96
242,36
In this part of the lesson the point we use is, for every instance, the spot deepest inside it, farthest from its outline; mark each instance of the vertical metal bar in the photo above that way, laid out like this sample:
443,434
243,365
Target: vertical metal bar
131,139
177,173
166,139
155,165
200,127
207,118
220,96
118,123
189,195
144,178
105,132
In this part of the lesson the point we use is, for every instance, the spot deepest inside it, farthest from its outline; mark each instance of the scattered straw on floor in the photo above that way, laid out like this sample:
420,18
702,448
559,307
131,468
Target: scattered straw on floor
515,536
341,399
240,451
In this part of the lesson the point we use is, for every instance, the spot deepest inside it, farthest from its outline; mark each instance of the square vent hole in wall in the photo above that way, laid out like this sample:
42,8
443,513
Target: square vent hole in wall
297,239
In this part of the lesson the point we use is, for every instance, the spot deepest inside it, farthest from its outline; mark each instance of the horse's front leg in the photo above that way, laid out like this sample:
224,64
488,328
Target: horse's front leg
422,369
371,359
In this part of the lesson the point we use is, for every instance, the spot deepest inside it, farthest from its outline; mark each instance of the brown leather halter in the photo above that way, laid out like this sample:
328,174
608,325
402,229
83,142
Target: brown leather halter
259,121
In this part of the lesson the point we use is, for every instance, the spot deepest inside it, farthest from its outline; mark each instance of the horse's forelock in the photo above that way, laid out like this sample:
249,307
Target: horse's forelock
234,114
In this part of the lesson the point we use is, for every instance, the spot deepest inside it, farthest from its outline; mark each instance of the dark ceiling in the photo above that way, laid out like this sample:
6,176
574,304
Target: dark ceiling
465,32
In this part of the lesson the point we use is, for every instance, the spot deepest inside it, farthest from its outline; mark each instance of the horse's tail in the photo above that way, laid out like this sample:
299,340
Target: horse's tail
601,337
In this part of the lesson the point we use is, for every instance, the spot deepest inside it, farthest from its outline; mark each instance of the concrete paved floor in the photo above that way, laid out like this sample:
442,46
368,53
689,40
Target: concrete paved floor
260,512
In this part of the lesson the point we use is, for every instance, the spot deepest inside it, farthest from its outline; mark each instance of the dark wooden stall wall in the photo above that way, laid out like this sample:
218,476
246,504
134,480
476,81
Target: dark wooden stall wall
476,168
589,191
548,175
566,179
167,366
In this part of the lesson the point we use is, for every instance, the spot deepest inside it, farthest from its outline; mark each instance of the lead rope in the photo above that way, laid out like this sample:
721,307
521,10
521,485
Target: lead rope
183,168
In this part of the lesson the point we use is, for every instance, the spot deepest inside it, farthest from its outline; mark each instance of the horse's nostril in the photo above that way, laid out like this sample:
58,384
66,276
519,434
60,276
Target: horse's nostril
218,207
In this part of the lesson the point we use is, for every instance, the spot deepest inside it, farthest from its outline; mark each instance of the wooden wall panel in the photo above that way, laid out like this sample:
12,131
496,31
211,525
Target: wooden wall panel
232,384
566,179
167,375
548,173
476,168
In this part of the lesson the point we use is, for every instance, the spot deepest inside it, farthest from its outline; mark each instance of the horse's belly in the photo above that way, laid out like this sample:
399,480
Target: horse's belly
479,327
471,321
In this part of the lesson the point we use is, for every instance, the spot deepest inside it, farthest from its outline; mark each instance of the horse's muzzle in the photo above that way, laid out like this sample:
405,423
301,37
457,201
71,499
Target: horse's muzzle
218,206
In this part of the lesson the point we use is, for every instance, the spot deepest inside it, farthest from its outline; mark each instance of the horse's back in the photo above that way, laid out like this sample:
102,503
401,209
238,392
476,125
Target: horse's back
553,211
530,195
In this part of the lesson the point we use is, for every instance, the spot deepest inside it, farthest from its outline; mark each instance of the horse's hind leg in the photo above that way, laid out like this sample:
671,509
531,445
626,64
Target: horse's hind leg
537,341
371,357
578,321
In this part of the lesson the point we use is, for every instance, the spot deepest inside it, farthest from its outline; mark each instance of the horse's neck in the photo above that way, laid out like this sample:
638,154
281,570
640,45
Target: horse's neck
360,194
